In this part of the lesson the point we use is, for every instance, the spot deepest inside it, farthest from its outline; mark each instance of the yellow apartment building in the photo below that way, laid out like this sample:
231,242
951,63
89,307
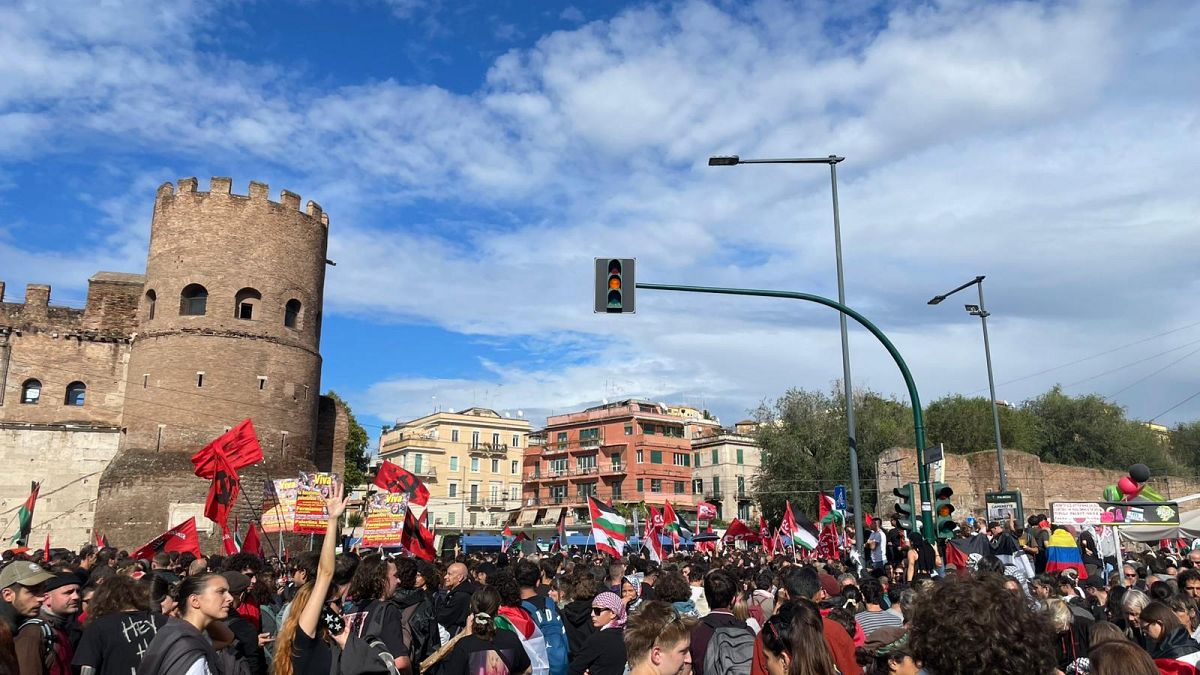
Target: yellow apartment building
469,460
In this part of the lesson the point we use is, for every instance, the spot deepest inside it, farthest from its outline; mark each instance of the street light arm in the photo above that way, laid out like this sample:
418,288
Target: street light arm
938,298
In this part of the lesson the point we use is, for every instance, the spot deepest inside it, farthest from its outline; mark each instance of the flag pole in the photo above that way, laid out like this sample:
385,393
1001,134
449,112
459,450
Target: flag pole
250,505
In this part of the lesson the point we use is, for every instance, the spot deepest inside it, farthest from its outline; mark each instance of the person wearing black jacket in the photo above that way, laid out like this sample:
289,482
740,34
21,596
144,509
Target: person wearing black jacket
577,614
453,604
247,648
719,590
1166,636
604,651
421,636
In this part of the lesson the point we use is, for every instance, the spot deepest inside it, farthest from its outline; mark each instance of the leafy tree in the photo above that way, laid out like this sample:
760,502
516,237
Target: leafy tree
357,462
804,448
1185,442
965,425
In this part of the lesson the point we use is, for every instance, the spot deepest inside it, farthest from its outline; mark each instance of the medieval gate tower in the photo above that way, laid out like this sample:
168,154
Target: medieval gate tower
228,327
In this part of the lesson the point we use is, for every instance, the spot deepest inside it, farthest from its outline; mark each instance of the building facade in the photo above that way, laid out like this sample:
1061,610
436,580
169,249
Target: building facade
725,465
224,325
470,461
628,452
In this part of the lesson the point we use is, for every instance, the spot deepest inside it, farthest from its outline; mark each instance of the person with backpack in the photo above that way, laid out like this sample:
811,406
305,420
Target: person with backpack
42,644
544,612
376,616
421,635
731,639
181,646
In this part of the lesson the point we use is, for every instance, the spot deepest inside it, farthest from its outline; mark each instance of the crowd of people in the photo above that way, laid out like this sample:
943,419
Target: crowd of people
737,612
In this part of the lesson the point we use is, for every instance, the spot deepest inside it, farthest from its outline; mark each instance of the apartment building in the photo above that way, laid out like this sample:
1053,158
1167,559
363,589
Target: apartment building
724,466
629,451
469,460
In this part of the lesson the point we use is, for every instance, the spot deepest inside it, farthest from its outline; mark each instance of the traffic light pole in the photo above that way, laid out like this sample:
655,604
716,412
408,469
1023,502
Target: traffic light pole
918,419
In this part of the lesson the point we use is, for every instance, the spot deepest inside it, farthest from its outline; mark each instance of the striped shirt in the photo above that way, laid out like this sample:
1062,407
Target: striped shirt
873,621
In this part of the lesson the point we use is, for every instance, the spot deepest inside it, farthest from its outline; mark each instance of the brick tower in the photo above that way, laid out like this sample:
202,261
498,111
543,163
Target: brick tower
229,327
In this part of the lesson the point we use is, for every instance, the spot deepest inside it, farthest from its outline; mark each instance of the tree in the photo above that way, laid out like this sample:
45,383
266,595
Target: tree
965,425
1185,443
357,462
804,448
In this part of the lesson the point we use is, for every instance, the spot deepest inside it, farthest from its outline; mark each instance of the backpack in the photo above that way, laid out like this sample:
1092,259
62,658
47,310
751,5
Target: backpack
550,623
420,631
730,651
49,640
366,653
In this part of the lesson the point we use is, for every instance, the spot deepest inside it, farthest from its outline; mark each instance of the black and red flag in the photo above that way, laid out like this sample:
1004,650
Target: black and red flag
395,479
182,538
220,461
416,539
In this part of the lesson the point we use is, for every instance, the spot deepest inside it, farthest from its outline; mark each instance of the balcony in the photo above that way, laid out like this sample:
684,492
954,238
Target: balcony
400,442
488,449
425,472
493,503
714,495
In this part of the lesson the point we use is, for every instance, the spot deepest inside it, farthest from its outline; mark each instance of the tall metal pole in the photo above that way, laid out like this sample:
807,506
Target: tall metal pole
848,388
987,353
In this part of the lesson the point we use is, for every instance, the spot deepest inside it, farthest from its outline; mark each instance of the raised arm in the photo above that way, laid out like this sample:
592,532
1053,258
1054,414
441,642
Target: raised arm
310,614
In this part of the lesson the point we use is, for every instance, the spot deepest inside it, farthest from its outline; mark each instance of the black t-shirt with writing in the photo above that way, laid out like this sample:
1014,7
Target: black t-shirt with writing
114,644
392,630
504,655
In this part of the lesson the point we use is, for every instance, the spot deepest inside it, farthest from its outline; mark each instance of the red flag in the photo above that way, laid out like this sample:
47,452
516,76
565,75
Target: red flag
252,544
416,539
739,531
239,446
46,550
706,511
101,540
227,541
395,479
827,543
181,538
222,492
654,527
764,535
562,528
824,506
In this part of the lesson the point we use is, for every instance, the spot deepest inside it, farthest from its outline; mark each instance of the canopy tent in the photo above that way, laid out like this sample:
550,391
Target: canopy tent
1188,528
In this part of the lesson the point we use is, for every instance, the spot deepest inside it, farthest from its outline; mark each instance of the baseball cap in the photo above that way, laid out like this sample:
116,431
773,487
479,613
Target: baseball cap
237,581
24,573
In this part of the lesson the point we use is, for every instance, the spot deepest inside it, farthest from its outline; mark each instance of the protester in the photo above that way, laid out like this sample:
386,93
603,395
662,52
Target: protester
181,646
657,640
720,589
1121,658
21,593
604,651
793,641
874,616
119,628
1166,638
372,586
886,652
483,648
42,644
421,635
452,605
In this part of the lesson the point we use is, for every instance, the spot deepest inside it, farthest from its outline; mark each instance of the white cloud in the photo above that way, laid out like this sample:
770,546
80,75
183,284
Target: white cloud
1050,147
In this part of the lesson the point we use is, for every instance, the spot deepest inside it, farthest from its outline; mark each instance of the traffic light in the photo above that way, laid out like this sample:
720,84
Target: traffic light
614,285
943,511
906,502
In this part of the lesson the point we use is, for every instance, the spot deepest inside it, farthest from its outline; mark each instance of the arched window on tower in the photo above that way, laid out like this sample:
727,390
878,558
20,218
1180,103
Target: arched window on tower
245,304
292,314
76,391
31,391
151,299
193,301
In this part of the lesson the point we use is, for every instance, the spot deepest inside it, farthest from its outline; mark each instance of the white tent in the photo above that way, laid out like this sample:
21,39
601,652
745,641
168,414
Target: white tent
1188,528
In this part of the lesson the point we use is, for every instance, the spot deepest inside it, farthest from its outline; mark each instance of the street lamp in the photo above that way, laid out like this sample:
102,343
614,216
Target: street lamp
980,311
848,389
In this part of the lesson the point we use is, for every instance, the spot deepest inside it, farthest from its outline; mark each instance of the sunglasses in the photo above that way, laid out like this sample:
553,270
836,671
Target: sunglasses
597,611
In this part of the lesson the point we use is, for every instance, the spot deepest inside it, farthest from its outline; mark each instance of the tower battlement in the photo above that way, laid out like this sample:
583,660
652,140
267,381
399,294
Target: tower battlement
222,186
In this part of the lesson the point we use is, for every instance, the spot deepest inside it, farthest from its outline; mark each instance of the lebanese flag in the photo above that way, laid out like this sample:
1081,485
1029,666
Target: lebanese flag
182,538
608,528
227,541
518,621
395,479
827,509
416,539
252,544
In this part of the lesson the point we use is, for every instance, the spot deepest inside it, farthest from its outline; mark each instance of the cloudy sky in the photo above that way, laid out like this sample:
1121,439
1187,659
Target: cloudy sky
475,156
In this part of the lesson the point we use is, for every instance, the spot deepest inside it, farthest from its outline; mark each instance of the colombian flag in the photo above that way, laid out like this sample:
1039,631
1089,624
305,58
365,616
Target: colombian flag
1062,553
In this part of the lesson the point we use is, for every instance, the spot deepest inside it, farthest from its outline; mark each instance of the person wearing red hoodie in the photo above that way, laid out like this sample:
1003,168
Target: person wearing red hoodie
806,583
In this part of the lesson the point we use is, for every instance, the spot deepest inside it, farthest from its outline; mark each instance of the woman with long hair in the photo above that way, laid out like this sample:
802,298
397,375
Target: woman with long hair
1121,658
1166,637
120,626
794,641
181,645
482,649
312,624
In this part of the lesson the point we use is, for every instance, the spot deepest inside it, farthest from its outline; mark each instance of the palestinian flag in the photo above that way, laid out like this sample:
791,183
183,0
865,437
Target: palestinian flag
827,509
674,523
507,539
608,528
799,532
518,621
25,516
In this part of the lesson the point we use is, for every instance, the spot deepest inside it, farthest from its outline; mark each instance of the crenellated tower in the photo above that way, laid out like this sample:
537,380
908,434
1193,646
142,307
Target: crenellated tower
229,327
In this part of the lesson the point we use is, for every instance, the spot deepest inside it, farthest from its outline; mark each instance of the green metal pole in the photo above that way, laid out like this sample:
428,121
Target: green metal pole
918,418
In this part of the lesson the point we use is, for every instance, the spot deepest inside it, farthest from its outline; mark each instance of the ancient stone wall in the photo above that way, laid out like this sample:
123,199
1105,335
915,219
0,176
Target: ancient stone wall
975,474
68,462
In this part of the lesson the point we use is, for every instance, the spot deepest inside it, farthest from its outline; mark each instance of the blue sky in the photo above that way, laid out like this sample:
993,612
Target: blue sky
474,156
